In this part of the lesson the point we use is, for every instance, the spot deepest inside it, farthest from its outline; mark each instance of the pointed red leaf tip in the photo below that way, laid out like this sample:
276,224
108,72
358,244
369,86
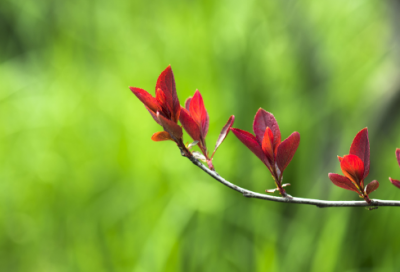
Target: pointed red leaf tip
286,150
147,99
353,168
340,159
360,148
262,120
395,182
224,132
190,125
166,82
342,182
199,113
171,127
372,186
251,143
161,136
398,155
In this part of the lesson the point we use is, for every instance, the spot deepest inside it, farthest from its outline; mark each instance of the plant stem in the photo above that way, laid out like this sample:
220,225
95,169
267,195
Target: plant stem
293,200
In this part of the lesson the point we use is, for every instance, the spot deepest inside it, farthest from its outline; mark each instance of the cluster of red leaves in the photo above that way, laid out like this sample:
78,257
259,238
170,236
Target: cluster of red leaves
194,119
267,145
396,182
164,108
166,111
355,168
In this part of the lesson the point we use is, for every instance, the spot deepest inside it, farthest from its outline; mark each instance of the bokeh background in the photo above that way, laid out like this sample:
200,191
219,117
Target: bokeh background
83,188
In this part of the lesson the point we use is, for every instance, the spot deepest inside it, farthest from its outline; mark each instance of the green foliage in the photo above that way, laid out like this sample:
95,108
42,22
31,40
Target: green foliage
83,188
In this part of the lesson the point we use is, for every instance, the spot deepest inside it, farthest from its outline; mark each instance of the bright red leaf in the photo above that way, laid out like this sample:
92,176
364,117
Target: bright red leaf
262,120
355,167
267,145
164,107
190,125
251,143
195,120
360,148
286,150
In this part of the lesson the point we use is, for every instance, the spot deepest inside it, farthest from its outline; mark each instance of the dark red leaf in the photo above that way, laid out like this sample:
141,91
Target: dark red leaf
199,113
398,155
267,145
166,83
372,186
187,103
161,99
360,148
353,168
250,141
262,120
190,125
161,136
147,99
395,182
286,150
342,182
224,132
154,115
169,126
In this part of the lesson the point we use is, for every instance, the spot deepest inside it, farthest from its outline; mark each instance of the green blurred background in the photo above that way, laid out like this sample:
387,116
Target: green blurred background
83,188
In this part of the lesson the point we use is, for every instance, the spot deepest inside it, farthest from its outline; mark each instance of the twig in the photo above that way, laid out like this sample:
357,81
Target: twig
295,200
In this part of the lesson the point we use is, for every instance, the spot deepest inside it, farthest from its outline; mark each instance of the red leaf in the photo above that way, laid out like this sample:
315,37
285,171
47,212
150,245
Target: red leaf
398,155
267,145
199,113
224,132
161,136
395,182
262,120
147,99
286,150
187,103
353,168
161,99
166,82
154,115
372,186
169,126
190,125
250,141
340,158
360,148
343,182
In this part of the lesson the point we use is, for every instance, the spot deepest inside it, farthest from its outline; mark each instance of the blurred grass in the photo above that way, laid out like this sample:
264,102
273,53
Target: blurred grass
83,188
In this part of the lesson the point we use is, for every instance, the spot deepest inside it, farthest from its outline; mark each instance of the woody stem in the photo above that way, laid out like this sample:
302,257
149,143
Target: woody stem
293,200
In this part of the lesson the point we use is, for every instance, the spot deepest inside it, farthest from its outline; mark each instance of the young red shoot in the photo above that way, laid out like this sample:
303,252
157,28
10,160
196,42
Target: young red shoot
355,168
267,145
195,120
396,182
164,108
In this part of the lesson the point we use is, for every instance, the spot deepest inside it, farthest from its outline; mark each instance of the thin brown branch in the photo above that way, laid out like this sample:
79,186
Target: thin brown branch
295,200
